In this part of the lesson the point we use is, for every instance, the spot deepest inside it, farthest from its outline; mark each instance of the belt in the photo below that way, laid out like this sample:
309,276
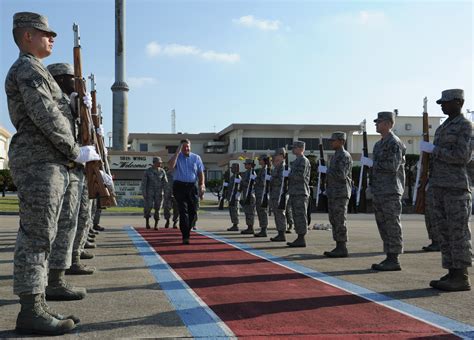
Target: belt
185,183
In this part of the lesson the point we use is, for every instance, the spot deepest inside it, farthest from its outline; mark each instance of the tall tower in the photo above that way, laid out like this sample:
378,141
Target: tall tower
120,87
173,121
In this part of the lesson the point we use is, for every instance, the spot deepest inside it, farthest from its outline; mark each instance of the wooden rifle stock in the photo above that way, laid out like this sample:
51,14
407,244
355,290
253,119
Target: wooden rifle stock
222,199
425,159
321,176
362,203
248,194
235,190
264,203
95,182
284,187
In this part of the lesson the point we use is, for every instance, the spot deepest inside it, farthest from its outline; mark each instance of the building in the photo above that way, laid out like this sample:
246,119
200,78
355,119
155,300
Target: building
4,143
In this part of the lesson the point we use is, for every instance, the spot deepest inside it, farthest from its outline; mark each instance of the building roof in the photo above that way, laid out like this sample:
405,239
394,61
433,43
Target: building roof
177,136
4,132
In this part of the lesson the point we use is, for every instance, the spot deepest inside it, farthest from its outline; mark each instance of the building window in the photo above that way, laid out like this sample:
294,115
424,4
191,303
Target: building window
213,174
143,147
408,126
171,148
313,143
265,143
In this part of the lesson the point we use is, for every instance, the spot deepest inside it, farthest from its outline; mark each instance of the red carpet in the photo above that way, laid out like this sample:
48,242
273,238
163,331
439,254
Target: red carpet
255,297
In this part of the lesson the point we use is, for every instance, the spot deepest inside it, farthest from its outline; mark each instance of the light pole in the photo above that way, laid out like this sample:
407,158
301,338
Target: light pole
109,134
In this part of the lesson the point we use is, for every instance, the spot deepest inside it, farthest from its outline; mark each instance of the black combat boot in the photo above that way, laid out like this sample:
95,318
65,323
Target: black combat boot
55,314
434,246
147,221
390,264
91,235
339,251
77,268
156,224
248,231
279,238
234,227
457,280
85,255
90,245
98,227
298,243
59,289
167,224
262,233
33,319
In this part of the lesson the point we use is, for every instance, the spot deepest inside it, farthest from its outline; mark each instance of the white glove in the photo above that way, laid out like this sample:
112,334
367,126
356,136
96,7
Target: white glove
253,176
100,130
87,154
226,184
268,177
367,161
426,146
323,169
87,99
286,173
237,180
107,178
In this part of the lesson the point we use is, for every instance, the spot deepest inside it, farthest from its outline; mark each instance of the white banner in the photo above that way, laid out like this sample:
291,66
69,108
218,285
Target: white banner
125,162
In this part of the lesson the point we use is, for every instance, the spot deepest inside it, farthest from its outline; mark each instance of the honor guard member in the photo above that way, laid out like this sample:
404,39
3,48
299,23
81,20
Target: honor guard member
233,209
298,190
387,186
154,183
40,152
262,212
338,190
248,203
278,161
449,180
170,203
64,257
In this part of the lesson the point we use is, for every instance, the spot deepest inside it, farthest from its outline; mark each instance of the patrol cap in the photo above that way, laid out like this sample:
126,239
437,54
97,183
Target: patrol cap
448,95
279,151
384,116
299,144
157,160
33,20
339,135
60,69
249,161
263,157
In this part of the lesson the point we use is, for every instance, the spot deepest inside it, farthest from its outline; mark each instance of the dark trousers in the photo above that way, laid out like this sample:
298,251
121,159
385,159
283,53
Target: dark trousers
186,194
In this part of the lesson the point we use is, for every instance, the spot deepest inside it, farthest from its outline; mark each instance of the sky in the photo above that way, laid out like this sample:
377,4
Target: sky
219,62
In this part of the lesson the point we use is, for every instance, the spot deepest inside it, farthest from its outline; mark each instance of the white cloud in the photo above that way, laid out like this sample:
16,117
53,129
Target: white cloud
154,49
141,81
252,22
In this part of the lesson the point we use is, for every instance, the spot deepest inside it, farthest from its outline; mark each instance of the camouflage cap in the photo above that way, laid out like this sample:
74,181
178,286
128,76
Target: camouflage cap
33,20
339,135
60,69
384,116
448,95
279,151
157,160
299,144
249,161
263,157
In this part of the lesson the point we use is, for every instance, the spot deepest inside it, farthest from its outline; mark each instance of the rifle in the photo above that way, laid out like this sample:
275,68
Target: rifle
310,200
95,182
250,186
235,190
284,186
361,200
321,176
224,191
422,171
266,188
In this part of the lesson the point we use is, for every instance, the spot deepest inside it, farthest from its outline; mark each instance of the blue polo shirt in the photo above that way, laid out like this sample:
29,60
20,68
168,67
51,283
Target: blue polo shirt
188,168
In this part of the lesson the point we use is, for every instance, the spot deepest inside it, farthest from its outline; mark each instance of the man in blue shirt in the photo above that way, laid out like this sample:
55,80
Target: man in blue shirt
188,168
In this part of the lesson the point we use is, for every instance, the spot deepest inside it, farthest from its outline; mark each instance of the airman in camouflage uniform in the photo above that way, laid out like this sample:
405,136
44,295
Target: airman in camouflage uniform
278,160
449,180
247,199
338,190
40,152
260,181
170,203
61,258
387,186
298,190
153,184
233,208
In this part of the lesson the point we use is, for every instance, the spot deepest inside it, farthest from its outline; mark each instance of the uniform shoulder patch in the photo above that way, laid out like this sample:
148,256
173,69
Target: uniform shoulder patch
36,81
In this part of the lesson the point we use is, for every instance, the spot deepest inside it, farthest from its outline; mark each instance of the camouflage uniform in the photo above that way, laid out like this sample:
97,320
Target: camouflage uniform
233,209
279,214
84,222
433,233
338,190
298,190
289,215
169,201
153,183
39,153
262,213
249,208
449,181
387,186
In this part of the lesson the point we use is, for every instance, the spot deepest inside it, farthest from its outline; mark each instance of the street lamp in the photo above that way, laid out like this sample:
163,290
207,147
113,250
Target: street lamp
109,134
